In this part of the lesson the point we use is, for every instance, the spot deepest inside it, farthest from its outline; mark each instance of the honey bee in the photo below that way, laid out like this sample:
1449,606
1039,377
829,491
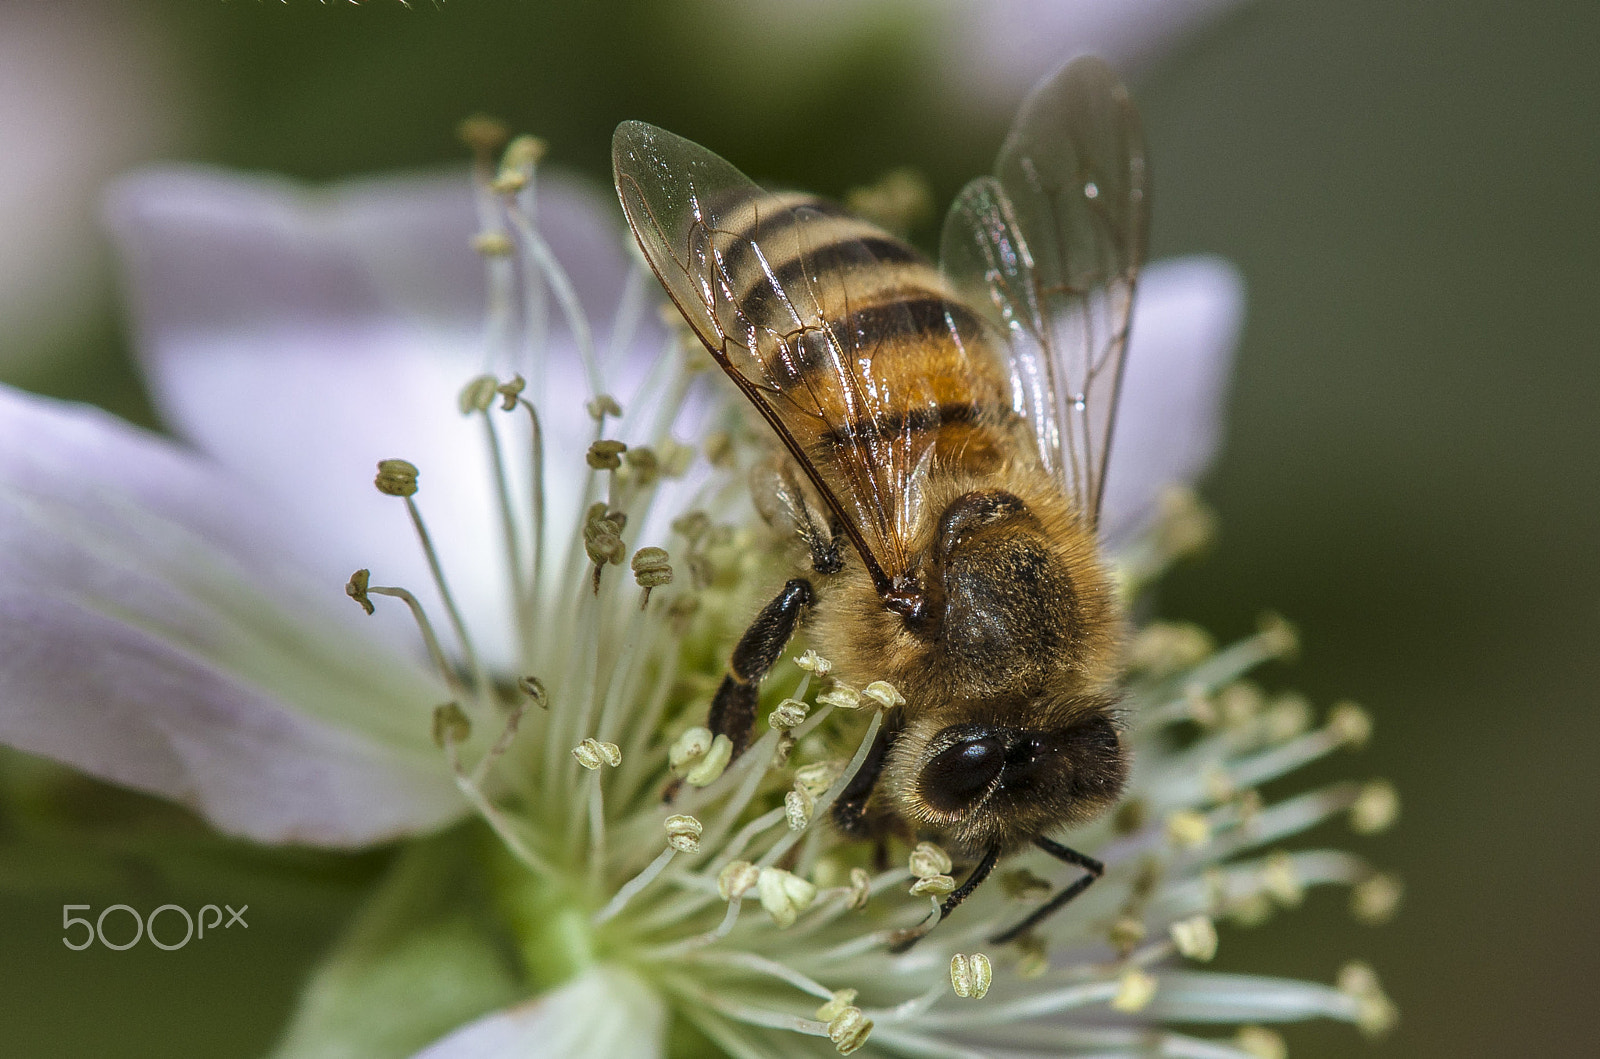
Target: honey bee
944,434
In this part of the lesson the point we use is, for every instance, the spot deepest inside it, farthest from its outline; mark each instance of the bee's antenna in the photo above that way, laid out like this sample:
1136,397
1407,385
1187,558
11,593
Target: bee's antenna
1094,868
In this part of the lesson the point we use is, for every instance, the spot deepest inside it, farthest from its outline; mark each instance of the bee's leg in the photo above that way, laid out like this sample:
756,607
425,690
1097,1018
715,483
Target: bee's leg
733,710
1092,867
907,938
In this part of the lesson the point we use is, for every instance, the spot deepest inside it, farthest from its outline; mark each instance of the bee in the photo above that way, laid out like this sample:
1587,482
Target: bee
943,435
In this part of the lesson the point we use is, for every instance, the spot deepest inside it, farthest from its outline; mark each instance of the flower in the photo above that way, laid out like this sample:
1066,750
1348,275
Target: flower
539,653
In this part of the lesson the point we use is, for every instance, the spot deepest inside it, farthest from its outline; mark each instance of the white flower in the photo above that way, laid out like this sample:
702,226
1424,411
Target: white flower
173,621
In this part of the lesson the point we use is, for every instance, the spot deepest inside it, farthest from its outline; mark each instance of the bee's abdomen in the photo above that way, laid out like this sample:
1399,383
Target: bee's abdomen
857,325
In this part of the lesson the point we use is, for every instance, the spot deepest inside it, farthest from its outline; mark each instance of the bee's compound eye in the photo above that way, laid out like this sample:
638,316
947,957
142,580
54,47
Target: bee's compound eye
958,774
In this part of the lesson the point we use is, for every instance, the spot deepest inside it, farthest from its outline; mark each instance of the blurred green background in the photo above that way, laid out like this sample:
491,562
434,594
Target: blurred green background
1410,473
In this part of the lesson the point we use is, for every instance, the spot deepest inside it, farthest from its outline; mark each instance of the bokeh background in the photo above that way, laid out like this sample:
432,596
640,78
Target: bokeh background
1412,457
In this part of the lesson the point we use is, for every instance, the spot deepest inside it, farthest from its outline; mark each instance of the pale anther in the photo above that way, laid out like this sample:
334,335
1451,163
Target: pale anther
643,465
1376,808
1261,1042
602,406
841,999
692,525
1282,880
478,394
1375,899
602,535
1185,524
737,878
1350,724
848,1030
650,568
790,713
782,750
1195,937
712,764
784,895
1033,961
798,804
1278,635
719,449
842,696
533,687
860,889
493,244
450,725
884,694
814,664
683,833
929,859
510,391
1135,990
1188,829
899,201
482,133
970,975
356,589
396,478
524,152
688,749
606,454
1239,703
818,776
1375,1013
1166,647
592,753
676,458
933,884
1287,717
1127,932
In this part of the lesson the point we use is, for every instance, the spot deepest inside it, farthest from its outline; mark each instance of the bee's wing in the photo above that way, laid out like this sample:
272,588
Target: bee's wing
1049,249
803,307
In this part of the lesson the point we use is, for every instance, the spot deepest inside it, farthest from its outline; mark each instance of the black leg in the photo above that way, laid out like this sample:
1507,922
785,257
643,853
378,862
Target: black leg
733,710
1094,870
908,938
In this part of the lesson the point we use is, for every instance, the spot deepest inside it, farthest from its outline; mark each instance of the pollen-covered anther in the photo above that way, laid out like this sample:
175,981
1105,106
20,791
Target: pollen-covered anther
1188,829
736,878
928,860
814,664
509,391
1033,960
849,1029
841,999
493,244
396,478
683,833
706,771
719,449
1218,784
1135,990
642,465
860,889
592,753
798,805
1351,724
478,394
782,749
1375,899
533,687
1195,937
451,727
1239,704
356,589
841,696
1261,1043
651,569
884,694
524,152
1376,808
790,713
606,454
970,975
1288,716
936,885
689,749
1280,879
1375,1012
784,895
602,406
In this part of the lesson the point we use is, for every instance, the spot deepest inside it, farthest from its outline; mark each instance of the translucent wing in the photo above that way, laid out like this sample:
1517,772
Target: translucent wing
1049,249
842,337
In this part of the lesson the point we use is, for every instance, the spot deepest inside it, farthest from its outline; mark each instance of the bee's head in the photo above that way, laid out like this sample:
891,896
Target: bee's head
987,784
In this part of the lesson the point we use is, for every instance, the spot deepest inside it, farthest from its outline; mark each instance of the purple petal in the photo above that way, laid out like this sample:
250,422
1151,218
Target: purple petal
1185,327
153,633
